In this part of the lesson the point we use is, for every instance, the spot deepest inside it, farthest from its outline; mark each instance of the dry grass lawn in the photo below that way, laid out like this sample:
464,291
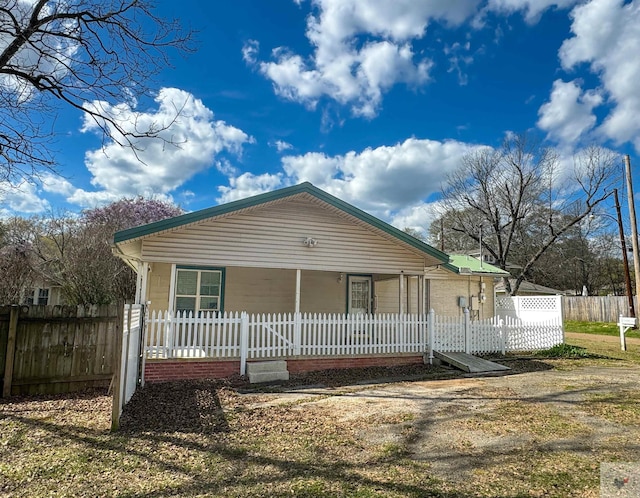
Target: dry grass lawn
541,431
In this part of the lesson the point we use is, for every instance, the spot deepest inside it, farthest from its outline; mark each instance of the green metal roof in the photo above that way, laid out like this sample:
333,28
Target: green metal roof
256,200
464,264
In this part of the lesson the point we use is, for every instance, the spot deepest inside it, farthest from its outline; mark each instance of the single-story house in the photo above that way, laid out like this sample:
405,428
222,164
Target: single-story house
298,250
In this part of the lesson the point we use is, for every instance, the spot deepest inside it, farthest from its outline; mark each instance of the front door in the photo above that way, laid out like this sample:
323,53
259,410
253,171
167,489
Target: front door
359,298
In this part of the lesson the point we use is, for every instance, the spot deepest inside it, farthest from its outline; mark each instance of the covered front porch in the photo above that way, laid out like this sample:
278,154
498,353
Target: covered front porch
175,288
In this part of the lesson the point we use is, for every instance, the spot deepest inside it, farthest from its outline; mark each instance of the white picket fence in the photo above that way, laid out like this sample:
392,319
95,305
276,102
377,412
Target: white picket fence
244,336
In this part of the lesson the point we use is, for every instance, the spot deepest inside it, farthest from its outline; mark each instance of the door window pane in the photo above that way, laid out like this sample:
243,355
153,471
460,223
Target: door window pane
360,294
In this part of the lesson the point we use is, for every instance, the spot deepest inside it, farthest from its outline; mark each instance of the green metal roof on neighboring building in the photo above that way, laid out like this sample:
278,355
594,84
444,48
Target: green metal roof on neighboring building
256,200
464,264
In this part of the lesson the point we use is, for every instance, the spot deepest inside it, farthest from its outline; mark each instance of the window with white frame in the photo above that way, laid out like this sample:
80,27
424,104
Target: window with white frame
43,296
198,289
28,297
36,296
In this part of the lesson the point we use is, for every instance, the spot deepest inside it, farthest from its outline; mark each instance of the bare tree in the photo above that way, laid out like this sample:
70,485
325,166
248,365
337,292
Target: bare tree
75,253
16,259
83,54
523,199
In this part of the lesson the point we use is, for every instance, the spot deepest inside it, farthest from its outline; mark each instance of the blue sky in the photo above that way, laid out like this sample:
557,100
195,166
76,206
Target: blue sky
371,100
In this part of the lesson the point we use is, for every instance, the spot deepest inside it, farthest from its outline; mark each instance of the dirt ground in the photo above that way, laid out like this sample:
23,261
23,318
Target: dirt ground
544,428
468,426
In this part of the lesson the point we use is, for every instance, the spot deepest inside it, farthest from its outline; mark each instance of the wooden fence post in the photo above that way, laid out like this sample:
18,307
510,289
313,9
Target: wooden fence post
11,350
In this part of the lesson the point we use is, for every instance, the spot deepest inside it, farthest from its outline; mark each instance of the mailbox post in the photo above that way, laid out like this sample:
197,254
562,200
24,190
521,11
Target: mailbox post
625,323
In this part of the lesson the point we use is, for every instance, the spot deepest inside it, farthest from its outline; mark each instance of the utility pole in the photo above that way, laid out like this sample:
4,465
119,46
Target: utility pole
481,259
634,226
625,259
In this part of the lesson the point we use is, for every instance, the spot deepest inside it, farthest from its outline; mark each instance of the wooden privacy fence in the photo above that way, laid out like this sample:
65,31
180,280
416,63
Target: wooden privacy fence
56,349
244,336
596,308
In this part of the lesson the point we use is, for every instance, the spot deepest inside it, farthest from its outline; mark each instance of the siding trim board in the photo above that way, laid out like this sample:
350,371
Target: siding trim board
307,188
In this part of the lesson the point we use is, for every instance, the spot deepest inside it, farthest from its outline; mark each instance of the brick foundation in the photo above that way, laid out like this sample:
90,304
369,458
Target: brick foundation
170,370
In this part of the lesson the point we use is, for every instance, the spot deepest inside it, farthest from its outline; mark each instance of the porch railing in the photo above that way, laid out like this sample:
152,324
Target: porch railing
244,336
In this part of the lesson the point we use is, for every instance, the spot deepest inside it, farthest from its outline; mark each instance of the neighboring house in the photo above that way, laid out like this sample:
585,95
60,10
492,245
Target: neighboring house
528,289
297,251
488,258
42,293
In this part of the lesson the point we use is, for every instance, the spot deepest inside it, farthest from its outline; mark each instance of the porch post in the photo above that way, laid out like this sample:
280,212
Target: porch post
420,304
172,288
298,278
401,295
296,317
425,291
143,283
138,283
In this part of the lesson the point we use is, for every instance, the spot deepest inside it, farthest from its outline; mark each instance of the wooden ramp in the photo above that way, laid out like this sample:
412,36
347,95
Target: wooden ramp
469,363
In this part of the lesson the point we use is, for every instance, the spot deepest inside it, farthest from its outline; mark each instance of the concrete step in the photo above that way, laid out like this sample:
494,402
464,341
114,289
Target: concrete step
267,371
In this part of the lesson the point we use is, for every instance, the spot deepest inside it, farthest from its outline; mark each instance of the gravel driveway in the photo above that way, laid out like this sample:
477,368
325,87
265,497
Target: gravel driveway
468,426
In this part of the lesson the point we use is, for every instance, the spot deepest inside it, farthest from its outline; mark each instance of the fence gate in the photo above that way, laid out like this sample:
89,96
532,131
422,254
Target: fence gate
130,369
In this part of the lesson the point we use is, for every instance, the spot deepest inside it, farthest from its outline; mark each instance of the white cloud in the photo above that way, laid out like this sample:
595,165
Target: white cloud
248,184
417,217
192,140
391,182
533,8
569,113
250,51
281,145
606,36
57,185
360,50
387,178
457,53
21,198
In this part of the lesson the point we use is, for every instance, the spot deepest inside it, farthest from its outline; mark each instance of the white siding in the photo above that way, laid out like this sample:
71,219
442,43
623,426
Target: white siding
387,291
259,290
158,286
323,293
272,236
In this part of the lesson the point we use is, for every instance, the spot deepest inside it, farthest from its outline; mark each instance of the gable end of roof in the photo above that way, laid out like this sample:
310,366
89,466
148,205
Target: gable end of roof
306,187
